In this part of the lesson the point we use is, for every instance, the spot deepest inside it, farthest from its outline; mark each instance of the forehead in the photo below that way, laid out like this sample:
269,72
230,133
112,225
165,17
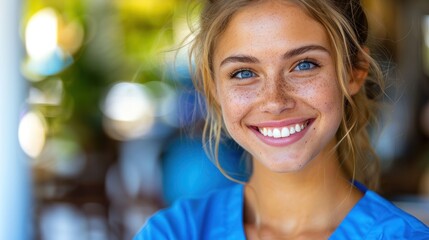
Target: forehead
269,25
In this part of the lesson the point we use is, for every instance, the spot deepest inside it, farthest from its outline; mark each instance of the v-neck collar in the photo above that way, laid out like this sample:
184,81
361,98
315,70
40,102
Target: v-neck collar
357,217
360,219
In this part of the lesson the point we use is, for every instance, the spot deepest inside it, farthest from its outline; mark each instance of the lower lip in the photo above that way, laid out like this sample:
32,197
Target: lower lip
280,142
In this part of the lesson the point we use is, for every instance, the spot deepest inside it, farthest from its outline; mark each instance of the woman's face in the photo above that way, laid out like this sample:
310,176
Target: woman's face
277,87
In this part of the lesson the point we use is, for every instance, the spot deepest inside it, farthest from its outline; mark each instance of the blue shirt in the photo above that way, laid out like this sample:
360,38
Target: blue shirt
219,215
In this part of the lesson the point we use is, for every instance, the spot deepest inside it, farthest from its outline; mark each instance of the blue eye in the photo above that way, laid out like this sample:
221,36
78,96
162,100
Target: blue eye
243,74
305,65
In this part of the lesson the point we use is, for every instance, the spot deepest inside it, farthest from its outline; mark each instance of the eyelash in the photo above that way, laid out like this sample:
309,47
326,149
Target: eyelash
235,72
313,62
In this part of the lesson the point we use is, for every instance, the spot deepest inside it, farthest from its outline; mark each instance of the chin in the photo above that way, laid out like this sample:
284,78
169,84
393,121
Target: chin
286,166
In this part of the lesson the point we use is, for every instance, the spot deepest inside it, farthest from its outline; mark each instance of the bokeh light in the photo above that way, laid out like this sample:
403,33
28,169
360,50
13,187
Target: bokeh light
128,102
50,42
63,222
32,133
41,34
129,111
70,36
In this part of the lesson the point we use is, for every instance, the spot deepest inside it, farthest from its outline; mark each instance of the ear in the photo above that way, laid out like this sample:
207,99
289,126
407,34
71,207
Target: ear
359,73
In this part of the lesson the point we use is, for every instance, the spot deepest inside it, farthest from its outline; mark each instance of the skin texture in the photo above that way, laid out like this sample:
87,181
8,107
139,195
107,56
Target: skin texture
273,70
278,92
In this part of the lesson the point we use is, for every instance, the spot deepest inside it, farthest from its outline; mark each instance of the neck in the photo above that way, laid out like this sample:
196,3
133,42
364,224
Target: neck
317,197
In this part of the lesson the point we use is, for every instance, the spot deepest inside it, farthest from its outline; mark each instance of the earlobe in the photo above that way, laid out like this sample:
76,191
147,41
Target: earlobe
359,73
357,80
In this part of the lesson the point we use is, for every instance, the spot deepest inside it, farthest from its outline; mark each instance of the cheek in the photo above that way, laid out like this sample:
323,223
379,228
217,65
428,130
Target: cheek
329,100
232,106
333,97
324,96
235,105
322,93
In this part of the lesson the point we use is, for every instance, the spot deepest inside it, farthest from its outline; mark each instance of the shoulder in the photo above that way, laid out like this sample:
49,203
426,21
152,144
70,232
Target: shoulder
390,221
189,218
374,217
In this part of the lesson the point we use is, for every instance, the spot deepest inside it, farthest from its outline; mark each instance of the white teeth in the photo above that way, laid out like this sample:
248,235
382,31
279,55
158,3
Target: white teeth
276,133
284,131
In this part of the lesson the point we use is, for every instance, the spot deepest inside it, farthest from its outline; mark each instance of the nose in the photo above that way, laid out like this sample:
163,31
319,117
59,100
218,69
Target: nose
276,96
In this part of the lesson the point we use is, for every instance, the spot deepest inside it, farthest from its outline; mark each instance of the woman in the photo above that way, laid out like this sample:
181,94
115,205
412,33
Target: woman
286,80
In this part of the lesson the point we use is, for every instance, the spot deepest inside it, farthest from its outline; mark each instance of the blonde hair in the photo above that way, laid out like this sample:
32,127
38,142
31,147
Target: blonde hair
347,29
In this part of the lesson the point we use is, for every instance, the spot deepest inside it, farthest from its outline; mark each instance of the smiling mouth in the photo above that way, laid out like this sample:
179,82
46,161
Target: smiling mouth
283,132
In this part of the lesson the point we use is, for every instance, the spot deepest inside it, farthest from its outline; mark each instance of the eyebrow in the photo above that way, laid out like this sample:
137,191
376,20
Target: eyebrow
239,58
289,54
301,50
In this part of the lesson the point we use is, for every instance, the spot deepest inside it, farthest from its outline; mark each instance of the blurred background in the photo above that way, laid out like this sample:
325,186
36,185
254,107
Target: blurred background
100,126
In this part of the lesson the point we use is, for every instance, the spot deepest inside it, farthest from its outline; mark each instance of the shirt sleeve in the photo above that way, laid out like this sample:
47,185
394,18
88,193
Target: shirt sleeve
217,215
400,229
394,223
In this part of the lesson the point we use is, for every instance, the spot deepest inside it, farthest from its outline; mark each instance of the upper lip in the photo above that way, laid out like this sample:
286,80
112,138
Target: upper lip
282,123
